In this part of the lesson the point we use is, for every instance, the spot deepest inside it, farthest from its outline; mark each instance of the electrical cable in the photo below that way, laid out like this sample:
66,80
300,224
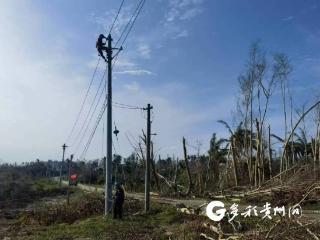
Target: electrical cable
103,108
115,19
83,102
90,109
131,21
125,38
86,129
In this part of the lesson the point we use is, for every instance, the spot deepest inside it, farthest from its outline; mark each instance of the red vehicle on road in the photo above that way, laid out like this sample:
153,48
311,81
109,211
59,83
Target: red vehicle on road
73,180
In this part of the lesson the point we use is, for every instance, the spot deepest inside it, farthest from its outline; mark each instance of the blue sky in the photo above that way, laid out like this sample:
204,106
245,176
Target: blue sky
182,56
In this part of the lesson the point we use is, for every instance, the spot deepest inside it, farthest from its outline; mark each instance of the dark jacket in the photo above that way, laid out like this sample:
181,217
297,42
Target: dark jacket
100,43
119,196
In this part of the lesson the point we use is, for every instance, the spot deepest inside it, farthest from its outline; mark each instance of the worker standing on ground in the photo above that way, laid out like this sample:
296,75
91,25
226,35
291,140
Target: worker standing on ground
118,201
101,46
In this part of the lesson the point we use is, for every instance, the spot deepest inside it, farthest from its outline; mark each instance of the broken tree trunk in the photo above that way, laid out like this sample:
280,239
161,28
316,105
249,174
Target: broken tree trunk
170,183
270,153
156,179
294,128
234,161
187,165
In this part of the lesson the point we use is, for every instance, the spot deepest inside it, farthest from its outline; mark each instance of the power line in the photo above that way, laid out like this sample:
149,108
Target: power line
103,108
126,106
152,116
87,145
90,109
115,19
92,79
132,19
83,102
128,28
114,149
128,24
86,129
92,133
116,104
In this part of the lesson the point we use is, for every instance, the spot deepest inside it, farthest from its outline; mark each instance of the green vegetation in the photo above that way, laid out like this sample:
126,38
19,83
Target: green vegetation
17,191
83,219
135,227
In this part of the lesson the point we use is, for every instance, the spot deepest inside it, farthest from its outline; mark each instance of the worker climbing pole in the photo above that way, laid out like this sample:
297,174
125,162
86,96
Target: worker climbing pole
105,50
101,47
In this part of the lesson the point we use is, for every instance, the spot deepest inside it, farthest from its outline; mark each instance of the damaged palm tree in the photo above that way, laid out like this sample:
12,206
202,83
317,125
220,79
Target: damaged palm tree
217,154
236,147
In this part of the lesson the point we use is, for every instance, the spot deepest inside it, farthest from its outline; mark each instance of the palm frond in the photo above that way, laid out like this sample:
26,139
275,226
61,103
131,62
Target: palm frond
278,138
224,123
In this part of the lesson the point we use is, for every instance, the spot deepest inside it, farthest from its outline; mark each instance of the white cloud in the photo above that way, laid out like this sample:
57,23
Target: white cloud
137,72
190,13
41,92
183,9
171,121
289,18
105,21
132,86
40,87
124,62
144,51
178,14
182,34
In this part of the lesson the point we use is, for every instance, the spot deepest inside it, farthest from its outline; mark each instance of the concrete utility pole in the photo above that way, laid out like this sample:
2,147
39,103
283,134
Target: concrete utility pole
147,174
104,166
108,186
64,146
69,174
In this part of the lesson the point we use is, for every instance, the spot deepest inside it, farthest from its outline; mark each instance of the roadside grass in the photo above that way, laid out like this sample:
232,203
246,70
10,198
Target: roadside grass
17,193
163,221
83,219
45,185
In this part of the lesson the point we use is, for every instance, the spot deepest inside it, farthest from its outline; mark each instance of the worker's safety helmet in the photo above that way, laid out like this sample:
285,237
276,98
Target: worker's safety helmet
101,36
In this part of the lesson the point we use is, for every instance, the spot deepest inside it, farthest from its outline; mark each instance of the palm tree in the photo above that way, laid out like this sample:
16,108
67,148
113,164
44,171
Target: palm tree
236,145
217,154
299,148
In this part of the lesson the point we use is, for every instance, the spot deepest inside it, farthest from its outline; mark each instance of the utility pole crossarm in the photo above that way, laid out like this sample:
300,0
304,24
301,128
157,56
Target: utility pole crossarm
148,108
119,50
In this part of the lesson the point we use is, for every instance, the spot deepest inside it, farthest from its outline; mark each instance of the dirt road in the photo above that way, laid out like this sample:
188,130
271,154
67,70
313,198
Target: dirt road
193,203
